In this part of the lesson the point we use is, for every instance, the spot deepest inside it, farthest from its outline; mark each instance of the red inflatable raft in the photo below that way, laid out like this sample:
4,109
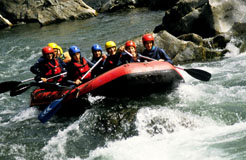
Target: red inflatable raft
133,79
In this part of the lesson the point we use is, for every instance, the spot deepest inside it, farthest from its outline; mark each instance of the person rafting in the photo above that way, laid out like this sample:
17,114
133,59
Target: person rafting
130,48
96,50
153,51
59,52
78,66
113,58
48,66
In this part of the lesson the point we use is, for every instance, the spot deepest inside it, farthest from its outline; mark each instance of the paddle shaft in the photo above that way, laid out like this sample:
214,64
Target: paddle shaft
58,75
26,80
148,58
91,68
54,106
9,85
22,88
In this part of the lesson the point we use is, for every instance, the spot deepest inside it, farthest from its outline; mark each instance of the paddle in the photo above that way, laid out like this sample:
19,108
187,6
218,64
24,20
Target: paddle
9,85
22,88
196,73
51,86
54,106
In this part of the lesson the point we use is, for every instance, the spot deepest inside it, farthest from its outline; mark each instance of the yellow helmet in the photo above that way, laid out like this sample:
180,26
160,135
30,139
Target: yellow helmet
53,45
58,47
110,44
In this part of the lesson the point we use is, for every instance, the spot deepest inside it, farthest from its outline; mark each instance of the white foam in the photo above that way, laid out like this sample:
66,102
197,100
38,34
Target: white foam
26,114
233,50
56,147
192,143
95,99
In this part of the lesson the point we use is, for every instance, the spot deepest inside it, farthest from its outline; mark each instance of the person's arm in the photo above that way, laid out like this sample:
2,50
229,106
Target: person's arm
106,64
136,58
143,54
62,64
36,69
123,58
164,56
67,57
89,62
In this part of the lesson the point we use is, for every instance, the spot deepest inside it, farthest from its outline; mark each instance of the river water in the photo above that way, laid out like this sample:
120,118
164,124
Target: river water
198,120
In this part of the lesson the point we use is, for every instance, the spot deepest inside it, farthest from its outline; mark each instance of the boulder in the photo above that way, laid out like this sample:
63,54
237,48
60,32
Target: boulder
110,5
186,51
64,11
157,4
217,42
113,5
204,17
228,14
96,4
45,11
188,16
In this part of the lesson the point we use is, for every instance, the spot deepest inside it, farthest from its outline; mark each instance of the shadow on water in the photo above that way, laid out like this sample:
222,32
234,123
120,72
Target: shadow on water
113,118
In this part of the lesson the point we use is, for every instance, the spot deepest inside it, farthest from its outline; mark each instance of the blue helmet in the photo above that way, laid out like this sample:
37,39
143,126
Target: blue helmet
96,47
73,49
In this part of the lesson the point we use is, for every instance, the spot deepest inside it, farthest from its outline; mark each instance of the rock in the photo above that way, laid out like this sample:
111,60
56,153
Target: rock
45,11
206,18
157,4
64,11
110,5
227,14
118,123
242,48
188,16
96,4
238,28
113,5
195,38
219,41
181,51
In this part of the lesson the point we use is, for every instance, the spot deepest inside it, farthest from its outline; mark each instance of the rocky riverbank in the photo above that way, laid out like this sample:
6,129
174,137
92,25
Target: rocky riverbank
191,30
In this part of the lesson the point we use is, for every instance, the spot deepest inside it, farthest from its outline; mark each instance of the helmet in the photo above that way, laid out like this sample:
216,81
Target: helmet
53,45
47,50
110,44
96,47
73,49
147,37
58,47
129,44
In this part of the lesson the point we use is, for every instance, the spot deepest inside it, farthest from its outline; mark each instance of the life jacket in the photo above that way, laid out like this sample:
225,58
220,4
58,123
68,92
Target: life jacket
112,61
157,53
81,69
53,70
153,53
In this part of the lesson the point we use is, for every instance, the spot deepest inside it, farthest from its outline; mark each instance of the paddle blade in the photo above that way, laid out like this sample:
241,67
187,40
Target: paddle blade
199,74
7,86
19,89
50,110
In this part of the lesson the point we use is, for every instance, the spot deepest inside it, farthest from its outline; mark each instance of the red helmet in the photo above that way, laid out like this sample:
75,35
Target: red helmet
47,50
147,37
129,44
